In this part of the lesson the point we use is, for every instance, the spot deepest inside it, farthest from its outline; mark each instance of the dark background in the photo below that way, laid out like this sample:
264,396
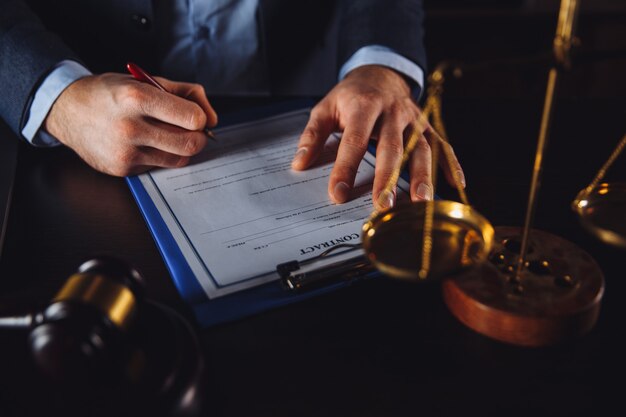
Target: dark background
480,31
379,347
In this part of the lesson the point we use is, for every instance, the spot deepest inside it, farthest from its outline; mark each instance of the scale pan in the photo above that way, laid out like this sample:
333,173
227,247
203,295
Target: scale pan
602,211
393,239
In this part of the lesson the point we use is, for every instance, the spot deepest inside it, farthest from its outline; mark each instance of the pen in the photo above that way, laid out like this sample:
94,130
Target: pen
141,75
341,271
300,275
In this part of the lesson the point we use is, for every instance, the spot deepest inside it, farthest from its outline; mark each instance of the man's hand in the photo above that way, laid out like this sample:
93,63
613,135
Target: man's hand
122,127
371,101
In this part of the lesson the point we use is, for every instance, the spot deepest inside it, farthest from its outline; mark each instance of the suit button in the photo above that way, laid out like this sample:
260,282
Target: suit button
202,33
140,22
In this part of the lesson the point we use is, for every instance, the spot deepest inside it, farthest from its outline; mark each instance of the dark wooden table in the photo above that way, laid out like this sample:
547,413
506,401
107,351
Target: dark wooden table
376,348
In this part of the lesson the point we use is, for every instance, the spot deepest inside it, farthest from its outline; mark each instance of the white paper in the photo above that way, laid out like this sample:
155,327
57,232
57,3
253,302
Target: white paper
239,209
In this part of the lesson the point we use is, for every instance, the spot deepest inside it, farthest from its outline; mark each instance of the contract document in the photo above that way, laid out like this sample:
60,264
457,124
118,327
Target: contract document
239,209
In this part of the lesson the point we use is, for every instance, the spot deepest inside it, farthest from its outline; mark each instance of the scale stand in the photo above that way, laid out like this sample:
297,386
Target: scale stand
556,297
537,288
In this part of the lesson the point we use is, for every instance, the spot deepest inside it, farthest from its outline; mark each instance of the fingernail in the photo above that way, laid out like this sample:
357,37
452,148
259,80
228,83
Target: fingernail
341,192
385,200
299,155
424,192
182,161
461,177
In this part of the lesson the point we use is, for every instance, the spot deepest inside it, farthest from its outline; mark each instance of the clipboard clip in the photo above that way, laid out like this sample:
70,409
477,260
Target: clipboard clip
302,275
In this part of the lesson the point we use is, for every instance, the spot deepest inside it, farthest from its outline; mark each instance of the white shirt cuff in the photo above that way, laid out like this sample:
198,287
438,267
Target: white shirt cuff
381,55
64,74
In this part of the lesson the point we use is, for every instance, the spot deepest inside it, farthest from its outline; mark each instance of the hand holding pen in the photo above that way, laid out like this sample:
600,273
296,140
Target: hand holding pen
123,127
141,75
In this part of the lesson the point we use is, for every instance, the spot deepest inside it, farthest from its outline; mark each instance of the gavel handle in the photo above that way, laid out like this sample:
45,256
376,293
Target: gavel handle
19,322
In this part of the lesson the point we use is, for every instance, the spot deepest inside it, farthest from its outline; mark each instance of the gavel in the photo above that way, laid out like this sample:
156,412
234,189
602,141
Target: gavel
100,333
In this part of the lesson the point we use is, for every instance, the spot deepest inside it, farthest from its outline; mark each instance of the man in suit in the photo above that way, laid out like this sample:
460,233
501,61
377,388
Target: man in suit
50,51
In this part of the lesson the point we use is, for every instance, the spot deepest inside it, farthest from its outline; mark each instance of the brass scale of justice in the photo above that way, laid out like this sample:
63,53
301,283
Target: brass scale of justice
521,286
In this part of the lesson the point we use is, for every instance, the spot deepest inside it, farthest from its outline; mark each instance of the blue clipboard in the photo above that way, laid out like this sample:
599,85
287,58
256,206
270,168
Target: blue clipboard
233,306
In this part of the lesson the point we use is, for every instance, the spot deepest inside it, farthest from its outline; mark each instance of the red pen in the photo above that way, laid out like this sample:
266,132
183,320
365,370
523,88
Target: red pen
141,75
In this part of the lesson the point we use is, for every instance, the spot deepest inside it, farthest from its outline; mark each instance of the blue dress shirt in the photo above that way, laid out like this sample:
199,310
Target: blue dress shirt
213,43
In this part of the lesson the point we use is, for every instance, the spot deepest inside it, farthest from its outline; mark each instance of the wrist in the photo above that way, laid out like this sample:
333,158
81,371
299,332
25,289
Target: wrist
47,92
384,76
59,117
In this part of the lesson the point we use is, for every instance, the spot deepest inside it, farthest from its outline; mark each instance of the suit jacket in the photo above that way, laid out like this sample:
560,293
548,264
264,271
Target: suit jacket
314,36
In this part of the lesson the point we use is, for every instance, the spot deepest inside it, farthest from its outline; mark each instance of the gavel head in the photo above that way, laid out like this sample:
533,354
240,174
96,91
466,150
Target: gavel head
103,346
80,335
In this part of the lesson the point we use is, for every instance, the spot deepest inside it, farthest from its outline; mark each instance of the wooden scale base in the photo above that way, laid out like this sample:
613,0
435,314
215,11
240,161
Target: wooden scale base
557,296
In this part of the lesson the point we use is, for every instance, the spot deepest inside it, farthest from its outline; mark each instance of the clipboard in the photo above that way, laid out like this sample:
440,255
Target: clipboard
325,272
